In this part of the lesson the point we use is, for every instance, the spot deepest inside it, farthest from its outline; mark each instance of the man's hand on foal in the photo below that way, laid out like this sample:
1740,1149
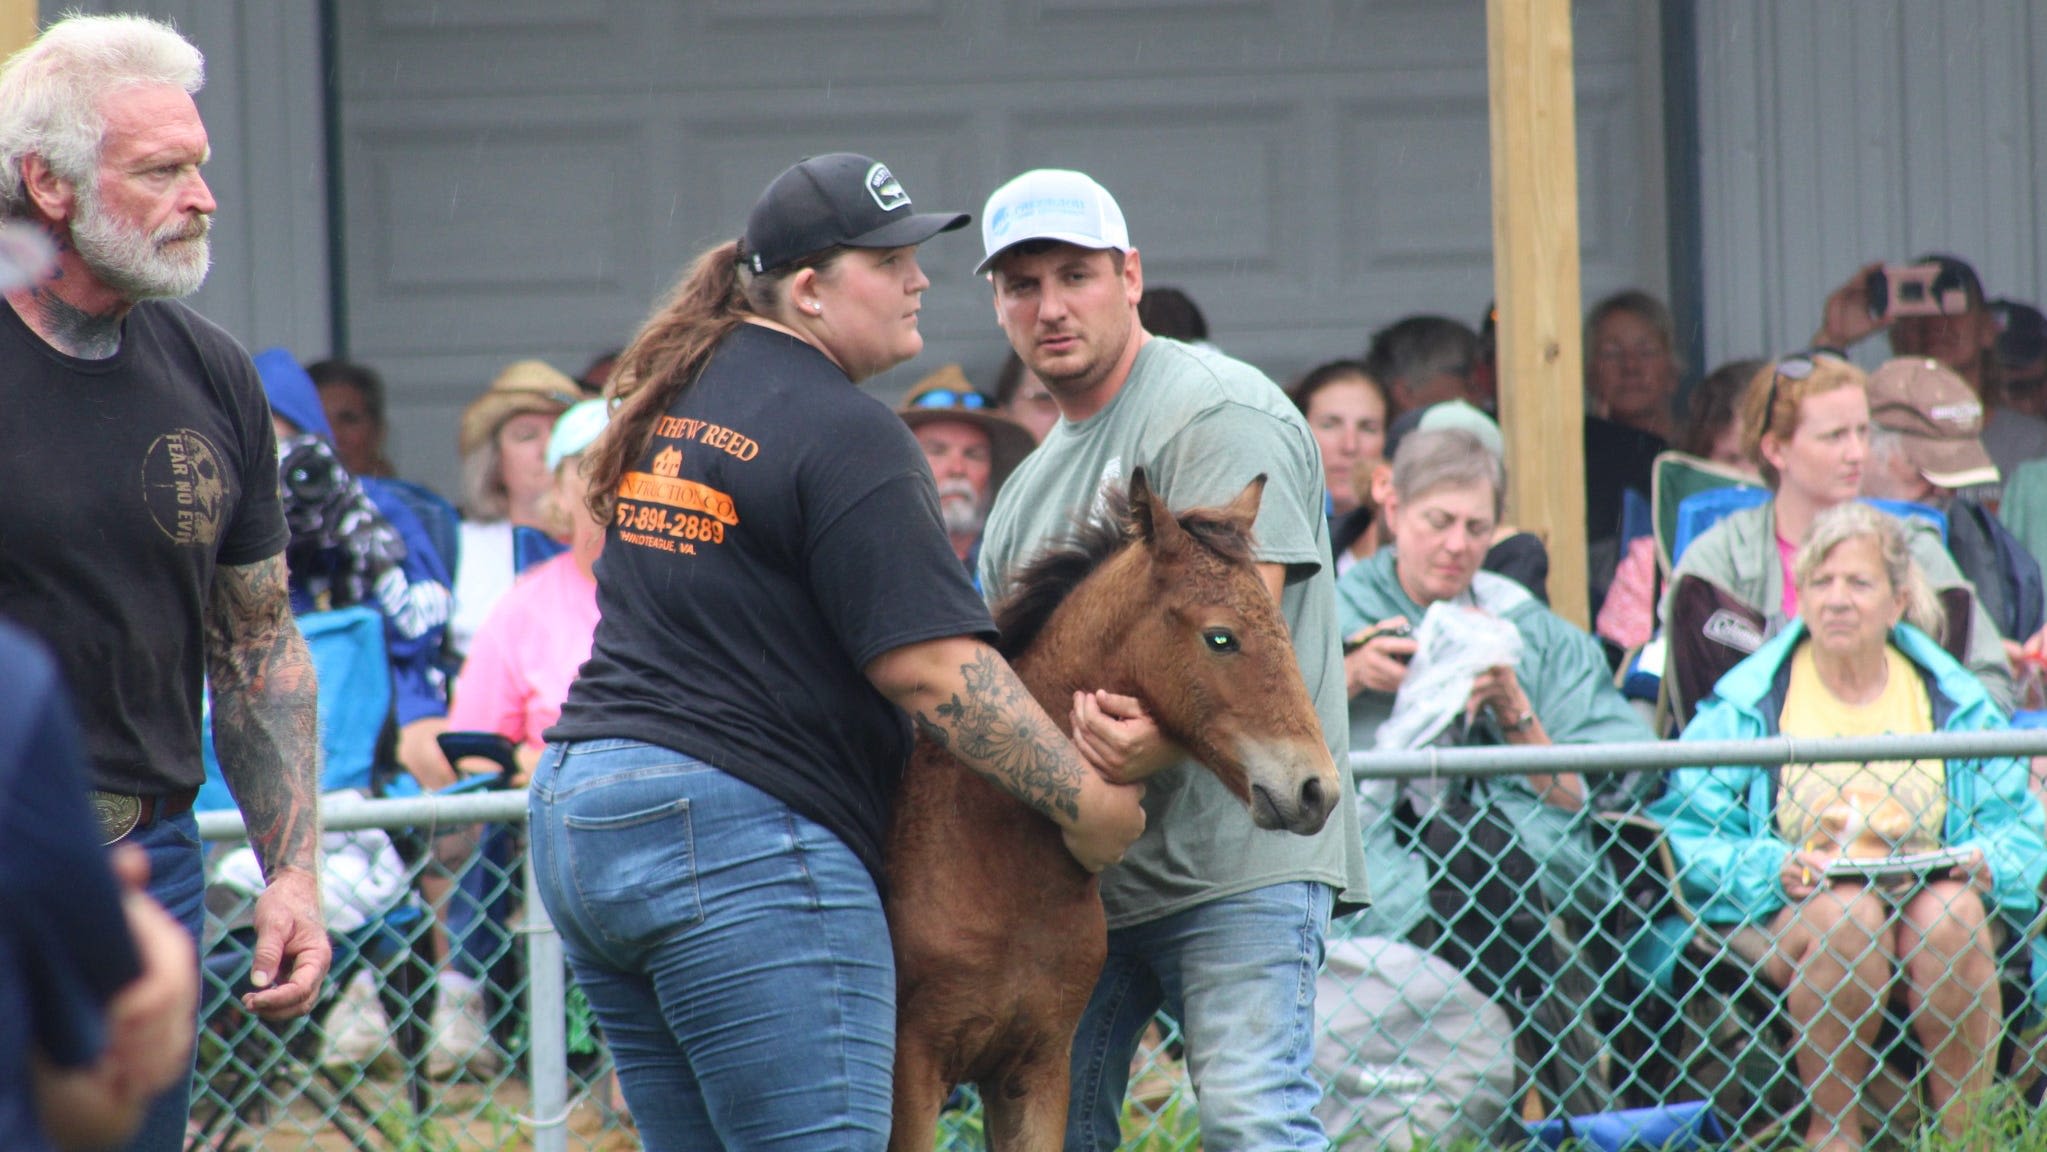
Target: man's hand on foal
1118,738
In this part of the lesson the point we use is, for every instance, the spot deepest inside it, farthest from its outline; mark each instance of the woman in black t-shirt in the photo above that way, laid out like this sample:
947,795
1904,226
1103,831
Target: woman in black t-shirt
776,591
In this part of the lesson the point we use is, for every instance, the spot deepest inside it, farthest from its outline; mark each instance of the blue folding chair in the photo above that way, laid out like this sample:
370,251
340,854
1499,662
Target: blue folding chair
347,645
355,696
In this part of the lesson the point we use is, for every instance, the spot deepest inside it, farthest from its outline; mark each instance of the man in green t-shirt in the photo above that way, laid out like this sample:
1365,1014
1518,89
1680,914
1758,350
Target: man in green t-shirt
1218,923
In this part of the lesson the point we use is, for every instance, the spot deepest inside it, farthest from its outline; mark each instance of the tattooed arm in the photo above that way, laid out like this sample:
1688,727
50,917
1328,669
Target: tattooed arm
266,729
966,699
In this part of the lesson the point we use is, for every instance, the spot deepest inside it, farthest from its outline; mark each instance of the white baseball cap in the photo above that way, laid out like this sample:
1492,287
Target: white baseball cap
1051,204
576,429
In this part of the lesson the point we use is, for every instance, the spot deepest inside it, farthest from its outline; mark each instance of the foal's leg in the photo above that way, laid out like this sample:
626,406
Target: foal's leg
1032,1117
920,1092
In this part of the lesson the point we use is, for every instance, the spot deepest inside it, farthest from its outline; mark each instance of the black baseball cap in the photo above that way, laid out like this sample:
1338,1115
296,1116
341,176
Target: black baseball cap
840,199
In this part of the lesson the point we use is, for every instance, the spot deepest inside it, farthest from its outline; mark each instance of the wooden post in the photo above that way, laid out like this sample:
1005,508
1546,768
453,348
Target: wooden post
1535,279
17,25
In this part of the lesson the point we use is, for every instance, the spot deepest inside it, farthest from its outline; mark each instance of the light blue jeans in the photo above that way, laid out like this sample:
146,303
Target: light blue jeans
735,952
1239,975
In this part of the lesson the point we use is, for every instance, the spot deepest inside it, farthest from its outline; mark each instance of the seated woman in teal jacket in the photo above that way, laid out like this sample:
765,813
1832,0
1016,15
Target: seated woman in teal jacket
1448,490
1754,845
1448,493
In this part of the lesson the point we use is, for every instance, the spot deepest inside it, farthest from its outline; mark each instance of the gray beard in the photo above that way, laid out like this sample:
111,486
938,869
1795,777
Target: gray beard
136,265
960,509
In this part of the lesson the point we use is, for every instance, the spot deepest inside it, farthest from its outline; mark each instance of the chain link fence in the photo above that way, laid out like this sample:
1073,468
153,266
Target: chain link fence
1502,983
447,1023
1690,973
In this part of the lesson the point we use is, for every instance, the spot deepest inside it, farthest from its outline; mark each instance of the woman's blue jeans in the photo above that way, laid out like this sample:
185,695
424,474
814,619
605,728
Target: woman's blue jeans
735,952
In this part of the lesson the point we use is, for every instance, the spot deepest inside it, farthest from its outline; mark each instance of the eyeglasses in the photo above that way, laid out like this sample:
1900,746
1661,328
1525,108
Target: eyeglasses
1797,366
950,398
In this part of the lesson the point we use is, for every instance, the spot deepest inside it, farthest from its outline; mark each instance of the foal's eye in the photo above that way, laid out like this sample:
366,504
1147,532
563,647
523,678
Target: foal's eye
1220,640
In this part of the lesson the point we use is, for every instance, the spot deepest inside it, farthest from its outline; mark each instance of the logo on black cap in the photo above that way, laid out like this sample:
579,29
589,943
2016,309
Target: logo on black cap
887,192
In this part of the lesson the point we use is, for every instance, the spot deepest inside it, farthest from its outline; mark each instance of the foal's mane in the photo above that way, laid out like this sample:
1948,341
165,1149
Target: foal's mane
1050,577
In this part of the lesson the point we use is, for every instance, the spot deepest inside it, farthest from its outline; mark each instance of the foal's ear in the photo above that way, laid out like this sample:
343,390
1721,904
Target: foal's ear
1149,515
1243,511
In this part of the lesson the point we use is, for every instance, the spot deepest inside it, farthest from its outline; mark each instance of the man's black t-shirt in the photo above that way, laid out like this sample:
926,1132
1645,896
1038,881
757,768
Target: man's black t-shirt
779,532
127,480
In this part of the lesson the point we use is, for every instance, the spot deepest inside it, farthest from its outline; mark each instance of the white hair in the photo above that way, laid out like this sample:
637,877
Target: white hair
1432,458
1855,520
50,92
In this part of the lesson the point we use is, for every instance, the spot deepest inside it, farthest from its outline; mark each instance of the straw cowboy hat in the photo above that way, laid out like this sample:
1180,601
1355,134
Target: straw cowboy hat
524,386
946,395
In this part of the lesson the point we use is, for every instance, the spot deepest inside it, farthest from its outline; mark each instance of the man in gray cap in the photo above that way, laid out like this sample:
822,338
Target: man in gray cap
1215,921
1925,447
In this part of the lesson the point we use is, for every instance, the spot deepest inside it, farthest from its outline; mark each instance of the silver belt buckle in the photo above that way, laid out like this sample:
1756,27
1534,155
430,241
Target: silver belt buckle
117,814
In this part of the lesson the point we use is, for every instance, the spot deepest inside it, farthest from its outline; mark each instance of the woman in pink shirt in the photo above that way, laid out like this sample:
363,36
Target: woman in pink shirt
538,635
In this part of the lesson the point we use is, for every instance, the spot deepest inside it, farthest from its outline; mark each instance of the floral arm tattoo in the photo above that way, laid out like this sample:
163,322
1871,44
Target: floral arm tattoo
994,726
265,712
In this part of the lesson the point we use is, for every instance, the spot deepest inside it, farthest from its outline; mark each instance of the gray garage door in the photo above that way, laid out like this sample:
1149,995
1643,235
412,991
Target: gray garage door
524,177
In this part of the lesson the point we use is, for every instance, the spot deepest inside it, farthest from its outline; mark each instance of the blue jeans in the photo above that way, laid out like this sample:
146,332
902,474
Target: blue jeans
177,879
735,953
1239,975
481,903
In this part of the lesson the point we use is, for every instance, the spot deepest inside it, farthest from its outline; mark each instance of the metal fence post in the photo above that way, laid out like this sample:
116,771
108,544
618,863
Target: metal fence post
547,1055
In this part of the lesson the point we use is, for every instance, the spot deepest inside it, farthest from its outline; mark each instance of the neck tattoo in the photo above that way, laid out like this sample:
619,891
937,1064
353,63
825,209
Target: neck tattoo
74,331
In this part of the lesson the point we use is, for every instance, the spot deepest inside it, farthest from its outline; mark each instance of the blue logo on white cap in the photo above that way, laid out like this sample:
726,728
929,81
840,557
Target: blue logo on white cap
1071,207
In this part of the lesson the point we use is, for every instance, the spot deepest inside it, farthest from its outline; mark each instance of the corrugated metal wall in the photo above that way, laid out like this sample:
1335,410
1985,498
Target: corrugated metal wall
1838,132
524,177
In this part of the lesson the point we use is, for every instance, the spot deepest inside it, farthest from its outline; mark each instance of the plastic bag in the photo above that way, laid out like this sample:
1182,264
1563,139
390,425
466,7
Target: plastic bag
1452,647
1410,1053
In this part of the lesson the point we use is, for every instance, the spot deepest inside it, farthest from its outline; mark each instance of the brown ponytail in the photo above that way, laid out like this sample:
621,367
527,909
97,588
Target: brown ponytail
715,297
663,359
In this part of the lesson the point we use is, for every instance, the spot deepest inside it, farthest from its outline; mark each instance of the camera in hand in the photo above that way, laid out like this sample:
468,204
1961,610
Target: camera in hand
1928,289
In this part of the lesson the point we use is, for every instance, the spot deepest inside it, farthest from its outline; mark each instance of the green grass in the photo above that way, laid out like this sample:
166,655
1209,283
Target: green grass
1173,1128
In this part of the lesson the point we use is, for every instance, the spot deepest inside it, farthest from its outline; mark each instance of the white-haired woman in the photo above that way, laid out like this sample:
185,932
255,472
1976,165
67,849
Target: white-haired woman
1754,845
1448,493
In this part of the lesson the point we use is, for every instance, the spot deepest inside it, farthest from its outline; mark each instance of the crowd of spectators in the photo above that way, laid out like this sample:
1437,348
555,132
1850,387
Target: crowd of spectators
1873,568
1850,520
